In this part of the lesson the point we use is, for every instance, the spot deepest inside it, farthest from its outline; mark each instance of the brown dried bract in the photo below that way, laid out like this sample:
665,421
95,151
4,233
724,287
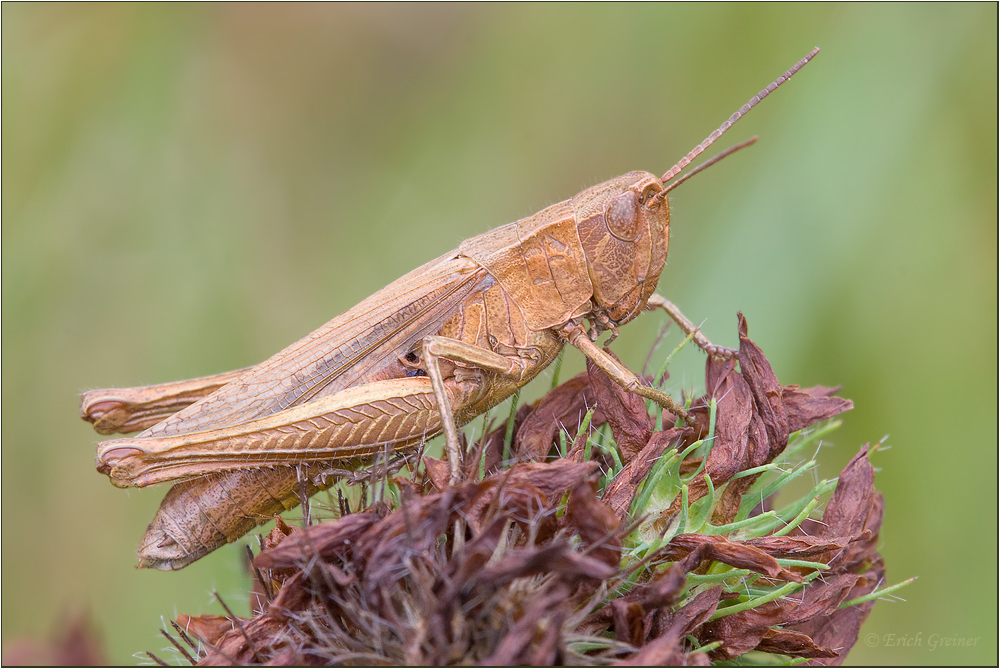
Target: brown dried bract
853,513
734,553
805,406
326,540
364,568
563,408
665,649
624,411
621,491
797,547
754,417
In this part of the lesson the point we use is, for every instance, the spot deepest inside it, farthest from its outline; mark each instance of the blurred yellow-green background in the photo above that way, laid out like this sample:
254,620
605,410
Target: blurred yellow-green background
189,188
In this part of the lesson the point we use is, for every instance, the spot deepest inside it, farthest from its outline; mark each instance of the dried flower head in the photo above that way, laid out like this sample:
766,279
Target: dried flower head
660,545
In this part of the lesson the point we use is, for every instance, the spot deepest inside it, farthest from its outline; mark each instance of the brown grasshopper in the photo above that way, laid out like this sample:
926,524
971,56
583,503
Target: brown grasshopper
426,354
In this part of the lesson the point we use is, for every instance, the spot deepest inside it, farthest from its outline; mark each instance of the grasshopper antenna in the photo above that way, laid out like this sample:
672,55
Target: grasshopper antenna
705,165
686,160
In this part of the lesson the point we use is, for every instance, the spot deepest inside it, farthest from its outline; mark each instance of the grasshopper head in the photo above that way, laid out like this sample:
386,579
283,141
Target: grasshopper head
624,224
624,228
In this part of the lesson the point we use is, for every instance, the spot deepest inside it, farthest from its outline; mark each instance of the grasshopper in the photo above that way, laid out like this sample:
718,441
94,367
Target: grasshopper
424,355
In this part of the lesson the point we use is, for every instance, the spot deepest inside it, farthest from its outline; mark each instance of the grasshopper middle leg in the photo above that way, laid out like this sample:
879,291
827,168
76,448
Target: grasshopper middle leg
436,348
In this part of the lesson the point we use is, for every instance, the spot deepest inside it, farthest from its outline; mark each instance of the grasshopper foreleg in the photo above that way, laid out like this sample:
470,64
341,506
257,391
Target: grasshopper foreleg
435,348
622,375
658,301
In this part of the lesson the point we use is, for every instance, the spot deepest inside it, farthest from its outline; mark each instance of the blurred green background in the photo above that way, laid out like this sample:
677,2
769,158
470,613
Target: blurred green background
189,188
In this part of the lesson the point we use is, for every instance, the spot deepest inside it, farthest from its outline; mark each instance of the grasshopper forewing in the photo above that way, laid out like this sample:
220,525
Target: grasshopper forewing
425,354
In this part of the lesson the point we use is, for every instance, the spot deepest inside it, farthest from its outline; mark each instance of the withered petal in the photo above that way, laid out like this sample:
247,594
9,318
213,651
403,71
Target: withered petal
618,494
741,632
325,539
595,522
631,425
666,649
854,509
735,554
516,646
839,629
766,391
794,644
797,547
438,472
805,406
561,408
208,628
627,618
821,597
556,557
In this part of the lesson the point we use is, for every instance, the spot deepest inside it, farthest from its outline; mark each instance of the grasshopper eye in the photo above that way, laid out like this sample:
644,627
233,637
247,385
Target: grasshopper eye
622,218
